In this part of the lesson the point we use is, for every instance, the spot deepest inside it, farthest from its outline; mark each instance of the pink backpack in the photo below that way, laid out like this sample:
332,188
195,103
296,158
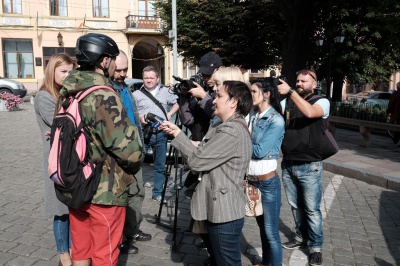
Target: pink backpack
70,167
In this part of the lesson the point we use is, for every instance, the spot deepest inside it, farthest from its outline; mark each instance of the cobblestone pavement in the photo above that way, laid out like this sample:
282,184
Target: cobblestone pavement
361,221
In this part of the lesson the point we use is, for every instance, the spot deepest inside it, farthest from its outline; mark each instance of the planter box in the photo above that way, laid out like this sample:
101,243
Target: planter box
3,106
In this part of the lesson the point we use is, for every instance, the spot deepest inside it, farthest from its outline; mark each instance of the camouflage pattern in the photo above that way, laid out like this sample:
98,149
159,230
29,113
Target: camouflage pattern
110,128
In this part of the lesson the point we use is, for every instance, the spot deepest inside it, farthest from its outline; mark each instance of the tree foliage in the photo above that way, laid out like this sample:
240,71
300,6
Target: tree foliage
261,33
241,32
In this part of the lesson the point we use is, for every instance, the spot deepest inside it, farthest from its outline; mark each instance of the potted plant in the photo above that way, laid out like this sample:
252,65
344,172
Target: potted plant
9,102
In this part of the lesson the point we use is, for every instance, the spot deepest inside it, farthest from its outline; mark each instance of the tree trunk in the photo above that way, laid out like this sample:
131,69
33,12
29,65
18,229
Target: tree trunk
299,16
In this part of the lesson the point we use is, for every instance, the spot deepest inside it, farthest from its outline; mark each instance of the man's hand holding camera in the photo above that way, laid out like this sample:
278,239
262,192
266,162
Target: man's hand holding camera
198,91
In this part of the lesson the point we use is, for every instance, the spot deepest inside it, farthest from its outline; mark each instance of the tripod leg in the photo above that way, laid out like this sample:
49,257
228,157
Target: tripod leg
178,187
167,175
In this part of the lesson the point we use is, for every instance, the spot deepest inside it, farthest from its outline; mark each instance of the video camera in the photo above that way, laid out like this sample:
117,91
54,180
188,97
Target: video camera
186,85
276,80
153,125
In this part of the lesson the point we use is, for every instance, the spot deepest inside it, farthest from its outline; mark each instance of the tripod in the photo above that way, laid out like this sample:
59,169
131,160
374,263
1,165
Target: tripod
173,154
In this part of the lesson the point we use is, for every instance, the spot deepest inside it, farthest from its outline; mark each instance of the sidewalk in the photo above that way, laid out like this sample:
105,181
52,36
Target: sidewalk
378,164
361,220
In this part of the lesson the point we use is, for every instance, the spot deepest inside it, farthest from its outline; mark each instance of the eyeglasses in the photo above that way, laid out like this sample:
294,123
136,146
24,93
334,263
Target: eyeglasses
305,73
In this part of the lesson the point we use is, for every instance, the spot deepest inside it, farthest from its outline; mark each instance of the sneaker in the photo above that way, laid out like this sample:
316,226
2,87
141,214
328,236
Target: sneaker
158,200
315,258
147,184
294,244
140,236
128,248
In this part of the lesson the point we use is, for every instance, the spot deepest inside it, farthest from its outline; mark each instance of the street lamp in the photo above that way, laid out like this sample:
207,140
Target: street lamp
320,42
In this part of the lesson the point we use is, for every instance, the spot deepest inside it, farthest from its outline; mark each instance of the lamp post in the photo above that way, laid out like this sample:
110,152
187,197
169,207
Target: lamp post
320,42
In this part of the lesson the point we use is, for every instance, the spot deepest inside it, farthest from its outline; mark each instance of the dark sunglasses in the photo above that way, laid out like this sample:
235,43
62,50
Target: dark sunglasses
305,73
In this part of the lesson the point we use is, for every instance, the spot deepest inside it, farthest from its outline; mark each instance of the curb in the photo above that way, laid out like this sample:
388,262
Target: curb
369,177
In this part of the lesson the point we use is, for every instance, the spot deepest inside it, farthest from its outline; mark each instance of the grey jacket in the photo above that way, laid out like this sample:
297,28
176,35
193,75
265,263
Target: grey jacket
44,108
223,160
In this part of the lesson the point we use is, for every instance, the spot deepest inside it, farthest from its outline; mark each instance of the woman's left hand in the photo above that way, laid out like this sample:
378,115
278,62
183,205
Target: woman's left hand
170,128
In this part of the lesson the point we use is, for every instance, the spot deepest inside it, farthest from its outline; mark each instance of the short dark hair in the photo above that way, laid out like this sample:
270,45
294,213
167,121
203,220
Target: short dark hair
241,93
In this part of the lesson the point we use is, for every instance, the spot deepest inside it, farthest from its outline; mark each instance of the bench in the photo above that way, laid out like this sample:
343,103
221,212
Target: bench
364,127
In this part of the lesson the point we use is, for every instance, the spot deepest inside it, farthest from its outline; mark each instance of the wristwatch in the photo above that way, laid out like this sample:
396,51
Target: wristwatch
290,92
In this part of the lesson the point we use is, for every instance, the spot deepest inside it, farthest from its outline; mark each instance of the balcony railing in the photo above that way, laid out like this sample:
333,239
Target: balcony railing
143,22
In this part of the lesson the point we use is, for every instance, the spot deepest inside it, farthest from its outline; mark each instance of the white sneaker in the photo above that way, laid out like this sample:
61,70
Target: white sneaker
147,184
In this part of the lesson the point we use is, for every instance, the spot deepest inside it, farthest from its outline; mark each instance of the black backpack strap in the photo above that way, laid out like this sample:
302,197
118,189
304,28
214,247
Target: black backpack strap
112,171
151,97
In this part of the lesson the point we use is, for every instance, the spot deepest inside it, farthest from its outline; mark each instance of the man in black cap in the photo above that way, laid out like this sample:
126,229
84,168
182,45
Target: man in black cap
209,64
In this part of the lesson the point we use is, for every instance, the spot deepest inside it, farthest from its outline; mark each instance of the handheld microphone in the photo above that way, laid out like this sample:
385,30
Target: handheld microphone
153,118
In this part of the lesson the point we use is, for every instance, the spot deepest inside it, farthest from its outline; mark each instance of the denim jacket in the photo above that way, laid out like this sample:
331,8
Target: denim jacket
267,135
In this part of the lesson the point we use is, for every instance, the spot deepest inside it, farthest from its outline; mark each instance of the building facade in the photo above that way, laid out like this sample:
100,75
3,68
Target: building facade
32,31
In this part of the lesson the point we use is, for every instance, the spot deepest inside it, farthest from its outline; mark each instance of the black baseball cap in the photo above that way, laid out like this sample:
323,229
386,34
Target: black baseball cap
209,62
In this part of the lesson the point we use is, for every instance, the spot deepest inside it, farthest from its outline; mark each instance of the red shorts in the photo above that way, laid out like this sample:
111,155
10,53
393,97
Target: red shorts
96,232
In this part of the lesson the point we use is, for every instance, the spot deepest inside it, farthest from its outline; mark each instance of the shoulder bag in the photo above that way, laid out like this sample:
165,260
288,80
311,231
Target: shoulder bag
253,205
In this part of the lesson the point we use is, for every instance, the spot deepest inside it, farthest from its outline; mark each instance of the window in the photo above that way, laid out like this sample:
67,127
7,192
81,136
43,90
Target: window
49,51
18,58
58,8
12,6
147,10
100,8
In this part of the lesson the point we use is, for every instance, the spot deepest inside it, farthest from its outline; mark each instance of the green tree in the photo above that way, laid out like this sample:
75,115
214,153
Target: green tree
261,33
241,32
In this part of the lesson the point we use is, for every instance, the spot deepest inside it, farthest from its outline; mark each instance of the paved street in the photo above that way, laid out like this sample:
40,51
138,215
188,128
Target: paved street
361,221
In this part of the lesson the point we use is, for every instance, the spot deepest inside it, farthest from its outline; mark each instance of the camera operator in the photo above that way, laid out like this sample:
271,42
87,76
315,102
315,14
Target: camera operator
195,105
155,98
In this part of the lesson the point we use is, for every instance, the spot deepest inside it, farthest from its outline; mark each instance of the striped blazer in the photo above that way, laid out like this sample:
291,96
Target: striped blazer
222,160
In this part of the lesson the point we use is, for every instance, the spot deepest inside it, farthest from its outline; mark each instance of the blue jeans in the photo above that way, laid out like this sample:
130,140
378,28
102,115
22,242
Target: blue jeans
62,233
303,187
158,142
225,241
269,221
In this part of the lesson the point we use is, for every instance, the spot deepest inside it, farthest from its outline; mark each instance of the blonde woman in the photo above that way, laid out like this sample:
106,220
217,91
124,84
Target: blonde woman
227,73
56,70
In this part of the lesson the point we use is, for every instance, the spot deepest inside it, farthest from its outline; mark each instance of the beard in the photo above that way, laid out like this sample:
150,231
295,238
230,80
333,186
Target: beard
303,92
120,79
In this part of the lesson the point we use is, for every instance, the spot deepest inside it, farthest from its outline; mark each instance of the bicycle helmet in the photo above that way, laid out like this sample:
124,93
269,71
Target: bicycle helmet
90,48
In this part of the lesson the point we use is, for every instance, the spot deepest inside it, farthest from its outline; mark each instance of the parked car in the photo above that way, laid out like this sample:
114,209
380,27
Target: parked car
12,86
373,99
134,84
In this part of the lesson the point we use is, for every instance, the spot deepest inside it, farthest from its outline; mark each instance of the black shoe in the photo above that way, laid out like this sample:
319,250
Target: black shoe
294,244
201,246
207,262
140,236
315,258
128,248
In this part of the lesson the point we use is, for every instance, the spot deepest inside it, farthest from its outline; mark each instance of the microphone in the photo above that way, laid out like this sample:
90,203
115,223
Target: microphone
153,118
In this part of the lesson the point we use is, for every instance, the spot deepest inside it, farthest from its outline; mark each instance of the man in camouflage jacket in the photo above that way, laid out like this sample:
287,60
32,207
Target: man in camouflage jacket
96,228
